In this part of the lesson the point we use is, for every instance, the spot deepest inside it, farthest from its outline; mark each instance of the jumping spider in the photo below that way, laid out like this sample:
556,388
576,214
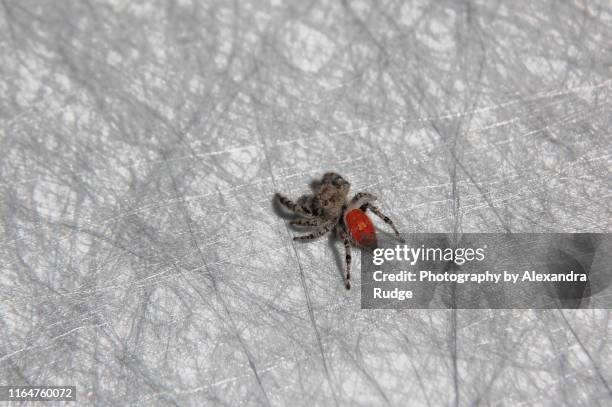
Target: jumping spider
329,208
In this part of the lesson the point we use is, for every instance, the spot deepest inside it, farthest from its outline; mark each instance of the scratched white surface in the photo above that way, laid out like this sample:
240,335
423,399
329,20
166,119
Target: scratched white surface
141,143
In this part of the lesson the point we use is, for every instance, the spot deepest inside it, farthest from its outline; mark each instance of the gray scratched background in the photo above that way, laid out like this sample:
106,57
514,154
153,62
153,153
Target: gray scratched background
141,143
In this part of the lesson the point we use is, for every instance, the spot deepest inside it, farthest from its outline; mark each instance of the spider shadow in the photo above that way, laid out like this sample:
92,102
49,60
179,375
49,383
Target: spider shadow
331,242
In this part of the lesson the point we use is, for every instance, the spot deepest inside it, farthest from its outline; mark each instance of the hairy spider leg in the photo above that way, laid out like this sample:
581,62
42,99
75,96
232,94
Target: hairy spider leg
288,203
307,222
347,259
317,233
385,219
360,199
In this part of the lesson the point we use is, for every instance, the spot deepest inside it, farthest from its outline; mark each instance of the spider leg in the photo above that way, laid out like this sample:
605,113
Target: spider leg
299,209
361,198
326,227
385,219
347,250
307,222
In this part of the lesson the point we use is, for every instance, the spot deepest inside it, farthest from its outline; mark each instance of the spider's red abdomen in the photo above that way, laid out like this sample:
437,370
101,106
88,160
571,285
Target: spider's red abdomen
361,227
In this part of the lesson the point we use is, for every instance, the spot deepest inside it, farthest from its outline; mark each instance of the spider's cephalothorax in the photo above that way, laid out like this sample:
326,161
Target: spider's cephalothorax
329,209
